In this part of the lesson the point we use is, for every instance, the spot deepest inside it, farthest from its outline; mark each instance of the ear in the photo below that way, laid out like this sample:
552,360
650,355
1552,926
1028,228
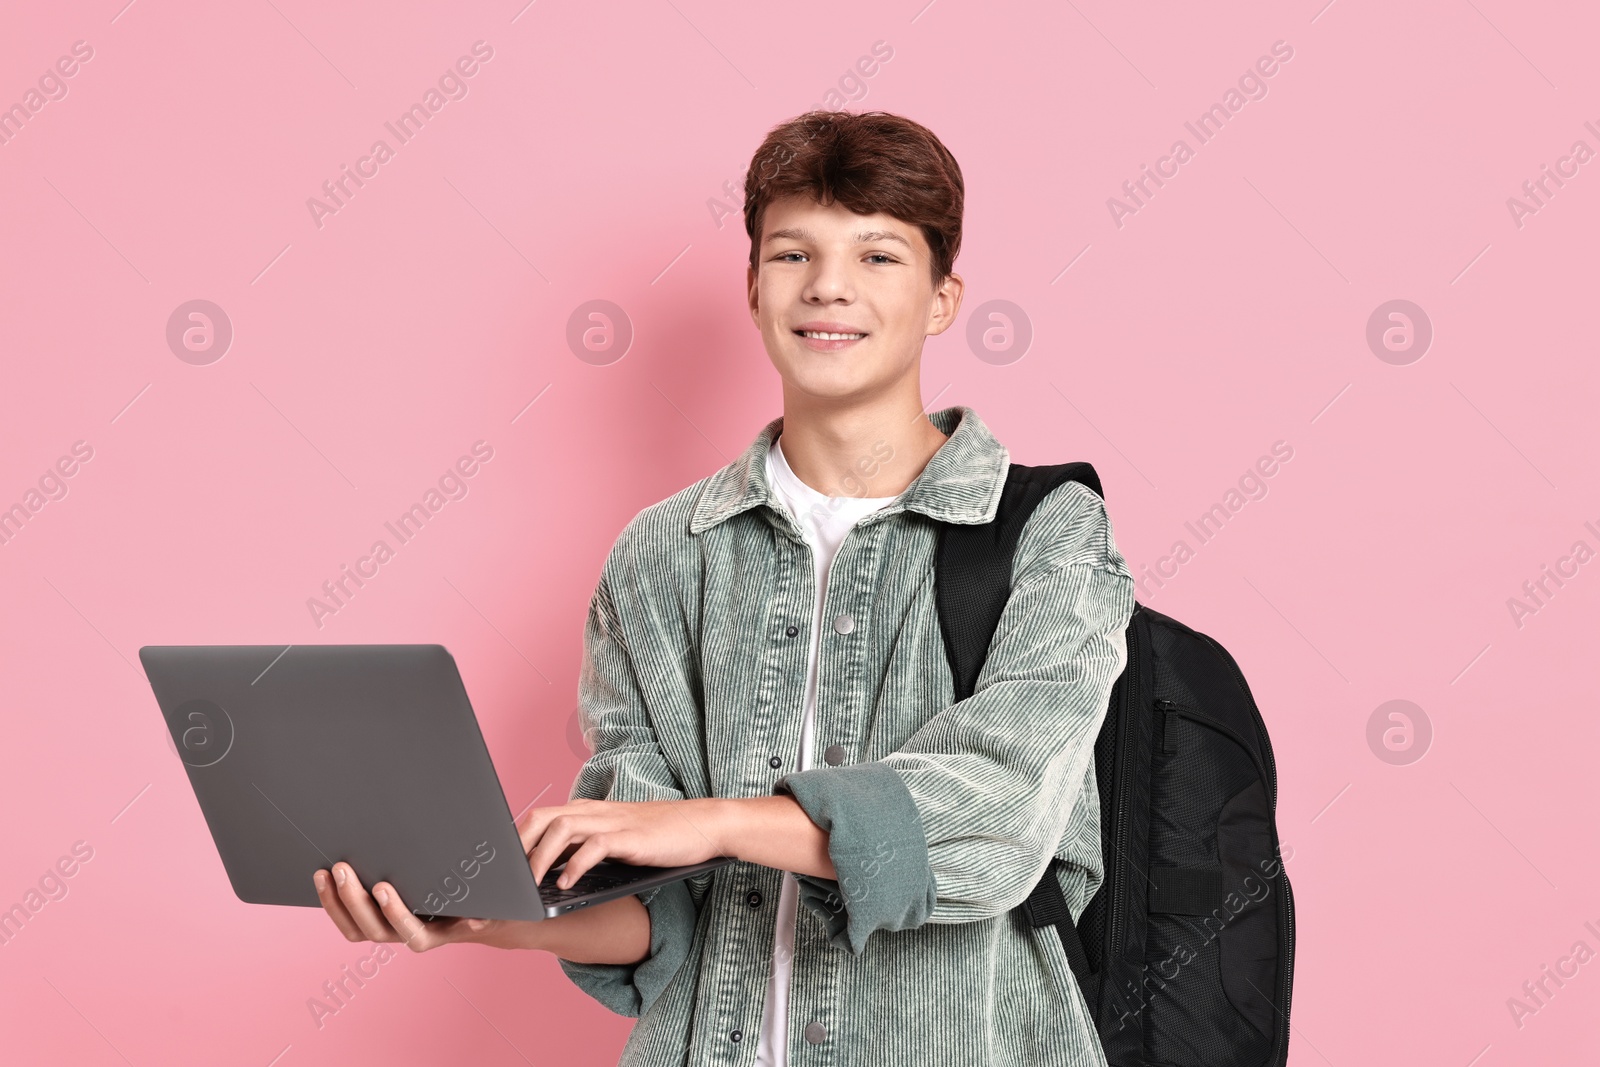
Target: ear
946,304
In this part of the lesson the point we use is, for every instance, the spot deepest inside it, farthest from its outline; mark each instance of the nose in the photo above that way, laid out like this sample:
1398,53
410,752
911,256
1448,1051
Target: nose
828,282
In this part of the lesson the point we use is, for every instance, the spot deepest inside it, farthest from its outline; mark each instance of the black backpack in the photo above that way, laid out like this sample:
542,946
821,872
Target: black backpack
1185,955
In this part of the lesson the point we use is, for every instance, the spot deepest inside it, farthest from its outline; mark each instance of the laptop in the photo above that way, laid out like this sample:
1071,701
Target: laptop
303,755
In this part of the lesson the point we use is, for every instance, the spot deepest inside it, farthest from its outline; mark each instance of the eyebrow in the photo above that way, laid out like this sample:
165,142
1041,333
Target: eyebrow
800,233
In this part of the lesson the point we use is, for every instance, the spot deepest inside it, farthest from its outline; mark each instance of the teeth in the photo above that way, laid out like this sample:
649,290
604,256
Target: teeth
831,336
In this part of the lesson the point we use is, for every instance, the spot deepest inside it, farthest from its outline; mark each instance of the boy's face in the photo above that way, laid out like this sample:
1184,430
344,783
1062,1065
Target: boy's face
829,268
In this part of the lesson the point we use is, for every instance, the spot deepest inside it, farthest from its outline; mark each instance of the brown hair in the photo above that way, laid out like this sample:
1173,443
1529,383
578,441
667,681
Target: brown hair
872,162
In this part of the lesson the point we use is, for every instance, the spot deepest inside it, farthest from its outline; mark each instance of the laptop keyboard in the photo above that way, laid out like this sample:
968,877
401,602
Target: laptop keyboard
588,882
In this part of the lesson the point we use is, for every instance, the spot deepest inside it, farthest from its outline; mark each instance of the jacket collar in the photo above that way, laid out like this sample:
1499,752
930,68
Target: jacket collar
962,483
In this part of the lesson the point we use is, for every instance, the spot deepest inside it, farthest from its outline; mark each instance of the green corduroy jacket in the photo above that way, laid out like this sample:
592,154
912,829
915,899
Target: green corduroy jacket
941,815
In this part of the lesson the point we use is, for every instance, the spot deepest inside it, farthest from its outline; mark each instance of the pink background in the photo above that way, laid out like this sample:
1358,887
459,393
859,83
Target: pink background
1227,314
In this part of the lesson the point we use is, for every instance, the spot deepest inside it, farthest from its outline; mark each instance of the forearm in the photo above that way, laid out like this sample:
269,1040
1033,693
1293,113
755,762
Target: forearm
774,832
617,931
770,831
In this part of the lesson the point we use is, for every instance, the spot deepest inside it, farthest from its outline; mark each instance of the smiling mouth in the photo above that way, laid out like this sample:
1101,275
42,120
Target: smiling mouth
823,335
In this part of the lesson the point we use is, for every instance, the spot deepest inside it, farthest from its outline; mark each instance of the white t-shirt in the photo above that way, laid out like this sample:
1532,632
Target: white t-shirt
825,520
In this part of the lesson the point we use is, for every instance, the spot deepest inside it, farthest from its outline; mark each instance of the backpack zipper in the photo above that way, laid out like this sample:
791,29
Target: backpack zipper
1120,828
1261,725
1196,715
1287,919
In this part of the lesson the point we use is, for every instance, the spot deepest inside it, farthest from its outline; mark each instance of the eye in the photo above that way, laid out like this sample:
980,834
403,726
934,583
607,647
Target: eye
783,257
886,257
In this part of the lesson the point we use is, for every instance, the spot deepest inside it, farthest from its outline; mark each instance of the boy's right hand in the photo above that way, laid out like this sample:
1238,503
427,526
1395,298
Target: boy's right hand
617,931
362,918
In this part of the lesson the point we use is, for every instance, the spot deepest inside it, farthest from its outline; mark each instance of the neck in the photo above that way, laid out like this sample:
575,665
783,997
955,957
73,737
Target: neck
866,449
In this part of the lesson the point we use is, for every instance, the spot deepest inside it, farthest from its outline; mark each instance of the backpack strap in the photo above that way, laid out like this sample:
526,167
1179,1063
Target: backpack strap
972,566
972,582
1046,906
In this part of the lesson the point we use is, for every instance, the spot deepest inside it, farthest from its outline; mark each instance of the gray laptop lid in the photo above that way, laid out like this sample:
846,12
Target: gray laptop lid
370,754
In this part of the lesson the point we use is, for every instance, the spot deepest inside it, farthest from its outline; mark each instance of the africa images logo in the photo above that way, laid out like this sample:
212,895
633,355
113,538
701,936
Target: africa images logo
1252,85
452,485
451,85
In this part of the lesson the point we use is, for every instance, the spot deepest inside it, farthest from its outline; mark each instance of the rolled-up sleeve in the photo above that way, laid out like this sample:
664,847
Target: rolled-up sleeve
630,988
627,764
960,822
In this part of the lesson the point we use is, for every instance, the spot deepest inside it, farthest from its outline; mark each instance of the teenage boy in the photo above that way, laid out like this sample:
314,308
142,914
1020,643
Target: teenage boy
764,677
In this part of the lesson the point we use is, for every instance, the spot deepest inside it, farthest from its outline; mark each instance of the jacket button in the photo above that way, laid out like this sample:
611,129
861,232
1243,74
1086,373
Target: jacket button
816,1033
844,623
736,1035
834,754
774,762
753,898
791,631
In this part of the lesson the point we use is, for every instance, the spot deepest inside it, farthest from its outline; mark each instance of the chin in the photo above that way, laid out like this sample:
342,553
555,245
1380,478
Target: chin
824,375
830,387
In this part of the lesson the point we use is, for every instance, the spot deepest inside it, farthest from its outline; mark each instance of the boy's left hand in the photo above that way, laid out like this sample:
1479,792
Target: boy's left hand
651,833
